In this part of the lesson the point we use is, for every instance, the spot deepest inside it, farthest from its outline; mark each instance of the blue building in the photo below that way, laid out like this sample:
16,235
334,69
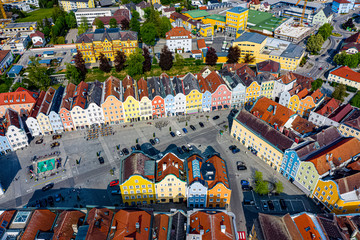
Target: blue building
197,187
342,6
206,101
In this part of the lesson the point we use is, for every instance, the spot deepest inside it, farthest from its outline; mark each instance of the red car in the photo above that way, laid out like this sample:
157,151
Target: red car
114,183
320,68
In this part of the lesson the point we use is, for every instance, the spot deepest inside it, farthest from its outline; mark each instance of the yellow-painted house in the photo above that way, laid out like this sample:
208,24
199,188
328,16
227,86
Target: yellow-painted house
44,124
196,14
218,22
170,183
304,101
263,48
261,138
340,196
253,91
267,88
107,42
137,180
132,109
206,30
350,127
70,5
236,20
193,101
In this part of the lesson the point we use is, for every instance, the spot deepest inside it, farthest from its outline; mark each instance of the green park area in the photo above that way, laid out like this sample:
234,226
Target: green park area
36,15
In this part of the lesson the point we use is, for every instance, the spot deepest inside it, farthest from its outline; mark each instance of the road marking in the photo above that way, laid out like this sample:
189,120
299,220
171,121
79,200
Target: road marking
29,190
46,181
291,205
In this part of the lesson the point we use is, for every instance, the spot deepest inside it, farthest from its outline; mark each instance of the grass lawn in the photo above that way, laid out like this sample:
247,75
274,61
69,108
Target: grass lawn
96,74
36,15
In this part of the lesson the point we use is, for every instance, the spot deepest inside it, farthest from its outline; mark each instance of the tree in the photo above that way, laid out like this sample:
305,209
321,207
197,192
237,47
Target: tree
104,63
155,61
350,60
73,74
179,60
99,24
349,24
80,62
147,60
113,23
262,187
258,176
314,43
355,101
83,26
39,76
233,55
316,84
60,40
249,58
164,27
279,188
340,92
211,56
135,63
325,30
119,61
134,22
148,33
166,58
70,20
125,24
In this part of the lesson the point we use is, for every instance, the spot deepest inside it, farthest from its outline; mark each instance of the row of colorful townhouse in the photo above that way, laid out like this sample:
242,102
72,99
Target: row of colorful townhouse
319,160
101,223
198,181
116,101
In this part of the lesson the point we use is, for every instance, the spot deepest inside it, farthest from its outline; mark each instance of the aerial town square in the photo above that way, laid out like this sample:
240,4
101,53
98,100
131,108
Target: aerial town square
180,120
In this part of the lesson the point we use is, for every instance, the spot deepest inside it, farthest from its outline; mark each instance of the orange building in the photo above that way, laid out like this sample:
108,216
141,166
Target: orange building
21,101
66,107
307,228
41,220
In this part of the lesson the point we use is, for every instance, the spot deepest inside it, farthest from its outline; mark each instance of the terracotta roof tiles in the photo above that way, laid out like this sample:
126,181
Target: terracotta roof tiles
178,32
302,125
3,54
268,66
80,95
169,164
287,78
63,229
142,88
201,44
349,183
18,97
112,87
355,38
99,221
69,94
161,226
341,112
347,73
353,120
328,107
41,220
36,107
220,172
134,164
6,216
307,227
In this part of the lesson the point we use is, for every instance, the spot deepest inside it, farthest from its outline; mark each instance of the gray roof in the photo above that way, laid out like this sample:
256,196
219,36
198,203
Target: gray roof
293,51
166,84
177,223
231,78
155,87
264,130
265,77
177,86
110,34
136,164
95,93
251,37
130,6
20,25
327,11
105,3
190,83
56,102
157,6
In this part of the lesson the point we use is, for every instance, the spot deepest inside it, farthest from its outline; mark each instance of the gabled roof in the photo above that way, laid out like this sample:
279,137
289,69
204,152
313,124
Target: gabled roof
37,34
80,94
107,33
328,107
169,9
41,220
198,13
36,107
271,112
99,221
332,228
351,45
201,43
349,183
268,66
143,5
94,92
213,81
317,95
307,227
254,2
287,78
136,164
338,153
234,66
212,222
328,11
63,229
341,112
190,83
12,118
304,81
251,37
142,88
6,218
166,84
176,15
20,96
347,73
113,87
218,175
302,125
194,163
161,226
264,130
353,120
178,32
355,38
341,1
169,164
132,224
3,54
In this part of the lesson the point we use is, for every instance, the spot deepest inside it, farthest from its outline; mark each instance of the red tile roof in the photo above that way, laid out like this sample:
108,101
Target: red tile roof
3,54
302,125
303,93
287,78
45,106
255,2
196,51
220,173
234,66
106,19
201,44
304,81
349,183
275,227
215,225
132,224
338,153
268,66
317,96
347,73
307,227
142,88
341,112
351,45
41,220
353,120
190,161
63,229
80,95
271,112
176,15
161,226
355,38
213,81
69,94
36,107
169,164
99,221
134,164
12,118
18,97
329,106
112,87
6,216
342,1
169,9
178,32
37,34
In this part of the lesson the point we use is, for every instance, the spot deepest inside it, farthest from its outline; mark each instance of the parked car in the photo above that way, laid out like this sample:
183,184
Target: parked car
58,197
125,151
282,204
241,167
189,147
201,124
138,147
192,127
184,148
50,201
133,148
248,202
245,185
101,160
216,117
39,141
114,183
157,140
185,130
232,147
172,134
240,163
152,142
57,136
271,205
54,144
178,133
235,150
265,206
48,187
180,150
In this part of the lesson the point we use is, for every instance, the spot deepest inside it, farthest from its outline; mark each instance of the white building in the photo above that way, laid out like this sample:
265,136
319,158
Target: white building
15,132
6,59
179,39
91,13
17,45
32,2
79,117
5,146
38,39
33,126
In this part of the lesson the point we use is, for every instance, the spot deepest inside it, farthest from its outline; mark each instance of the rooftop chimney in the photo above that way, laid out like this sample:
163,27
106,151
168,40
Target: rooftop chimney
274,110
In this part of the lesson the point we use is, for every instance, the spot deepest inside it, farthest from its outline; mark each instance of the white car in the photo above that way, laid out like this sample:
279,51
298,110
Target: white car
189,147
178,133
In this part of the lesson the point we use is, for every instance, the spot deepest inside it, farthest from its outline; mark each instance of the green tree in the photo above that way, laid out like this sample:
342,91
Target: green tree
164,27
73,74
258,176
340,92
349,24
279,187
316,84
119,61
60,40
99,24
135,63
147,61
262,187
233,55
104,64
135,23
350,60
113,23
148,33
56,13
179,60
211,56
314,43
38,76
325,30
166,59
355,100
70,20
249,58
80,63
83,26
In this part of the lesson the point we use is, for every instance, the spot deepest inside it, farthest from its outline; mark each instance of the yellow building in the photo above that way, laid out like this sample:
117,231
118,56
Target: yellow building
346,76
350,127
137,186
236,19
206,30
261,138
170,183
44,124
193,101
132,109
196,14
107,42
304,101
218,22
69,5
267,88
253,91
264,48
339,196
155,1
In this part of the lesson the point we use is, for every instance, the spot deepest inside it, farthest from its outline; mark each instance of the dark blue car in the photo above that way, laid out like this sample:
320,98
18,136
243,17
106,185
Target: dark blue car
185,130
